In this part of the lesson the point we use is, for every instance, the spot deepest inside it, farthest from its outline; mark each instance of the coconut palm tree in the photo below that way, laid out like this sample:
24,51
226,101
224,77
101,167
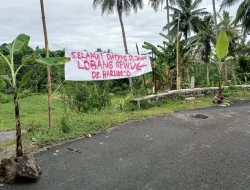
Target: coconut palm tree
121,7
242,14
190,17
157,3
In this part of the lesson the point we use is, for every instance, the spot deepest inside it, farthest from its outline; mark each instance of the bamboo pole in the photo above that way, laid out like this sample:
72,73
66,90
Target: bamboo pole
153,72
48,67
143,76
177,56
155,75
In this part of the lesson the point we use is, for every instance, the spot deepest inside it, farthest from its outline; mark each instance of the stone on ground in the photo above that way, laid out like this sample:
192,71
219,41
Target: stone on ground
8,170
21,167
27,167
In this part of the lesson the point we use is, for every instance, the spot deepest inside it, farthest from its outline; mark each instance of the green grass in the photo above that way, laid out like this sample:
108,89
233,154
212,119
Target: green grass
34,117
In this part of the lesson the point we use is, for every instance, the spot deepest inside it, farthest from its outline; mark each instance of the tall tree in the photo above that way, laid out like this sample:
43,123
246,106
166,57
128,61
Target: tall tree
121,7
190,17
242,14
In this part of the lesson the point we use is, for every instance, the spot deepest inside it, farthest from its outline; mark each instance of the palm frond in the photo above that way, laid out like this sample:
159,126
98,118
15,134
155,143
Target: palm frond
228,3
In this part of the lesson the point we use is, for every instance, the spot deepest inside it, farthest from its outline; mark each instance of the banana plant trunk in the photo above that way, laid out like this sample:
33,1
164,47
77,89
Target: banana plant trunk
19,146
125,45
219,96
220,90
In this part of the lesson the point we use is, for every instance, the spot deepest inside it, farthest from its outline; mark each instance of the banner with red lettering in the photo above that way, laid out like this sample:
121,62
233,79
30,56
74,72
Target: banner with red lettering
88,66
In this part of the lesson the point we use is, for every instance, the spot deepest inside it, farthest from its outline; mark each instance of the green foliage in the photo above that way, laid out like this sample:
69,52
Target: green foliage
86,97
242,14
190,17
244,63
64,125
145,104
244,68
4,98
53,61
24,80
4,79
222,45
20,41
125,6
235,92
126,105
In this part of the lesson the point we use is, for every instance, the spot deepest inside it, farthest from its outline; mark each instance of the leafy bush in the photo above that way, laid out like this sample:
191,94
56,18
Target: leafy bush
5,98
127,105
64,125
244,70
145,104
86,97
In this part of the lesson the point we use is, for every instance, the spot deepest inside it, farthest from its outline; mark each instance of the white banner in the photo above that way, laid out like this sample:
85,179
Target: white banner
89,66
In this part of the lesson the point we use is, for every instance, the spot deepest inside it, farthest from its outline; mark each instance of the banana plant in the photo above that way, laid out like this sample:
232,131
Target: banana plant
18,43
221,52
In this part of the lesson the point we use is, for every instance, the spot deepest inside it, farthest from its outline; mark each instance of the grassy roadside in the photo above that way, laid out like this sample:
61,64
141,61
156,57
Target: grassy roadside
73,125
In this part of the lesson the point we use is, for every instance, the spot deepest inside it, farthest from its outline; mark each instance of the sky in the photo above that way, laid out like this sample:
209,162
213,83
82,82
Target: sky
74,24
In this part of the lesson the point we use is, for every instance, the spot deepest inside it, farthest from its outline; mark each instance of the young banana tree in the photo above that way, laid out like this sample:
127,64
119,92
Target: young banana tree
18,43
221,51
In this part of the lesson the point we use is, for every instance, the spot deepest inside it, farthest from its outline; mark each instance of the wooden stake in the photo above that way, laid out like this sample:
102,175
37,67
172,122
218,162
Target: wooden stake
155,74
143,76
177,55
48,67
153,70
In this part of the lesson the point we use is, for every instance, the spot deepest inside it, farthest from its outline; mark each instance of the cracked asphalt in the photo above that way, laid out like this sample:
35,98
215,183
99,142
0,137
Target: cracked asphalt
172,152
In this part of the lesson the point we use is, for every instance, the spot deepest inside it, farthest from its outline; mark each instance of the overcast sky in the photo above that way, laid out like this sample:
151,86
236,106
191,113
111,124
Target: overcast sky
75,25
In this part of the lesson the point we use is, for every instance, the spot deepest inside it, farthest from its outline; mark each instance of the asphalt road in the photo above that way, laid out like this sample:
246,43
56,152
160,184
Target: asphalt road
6,136
169,152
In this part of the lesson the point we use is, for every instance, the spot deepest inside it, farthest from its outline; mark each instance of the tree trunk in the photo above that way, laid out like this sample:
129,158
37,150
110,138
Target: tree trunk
167,4
19,146
215,20
123,32
125,45
208,81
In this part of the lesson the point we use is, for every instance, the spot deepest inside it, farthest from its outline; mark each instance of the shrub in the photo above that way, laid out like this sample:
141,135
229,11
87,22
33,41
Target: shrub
85,97
65,128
